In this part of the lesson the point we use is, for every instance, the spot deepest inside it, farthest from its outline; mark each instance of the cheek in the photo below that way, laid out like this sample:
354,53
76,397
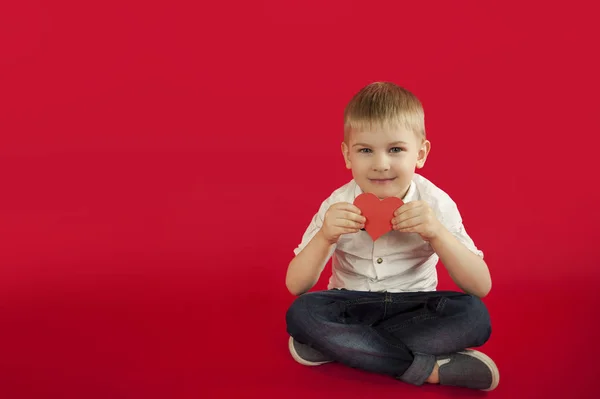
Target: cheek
407,159
358,162
403,165
364,166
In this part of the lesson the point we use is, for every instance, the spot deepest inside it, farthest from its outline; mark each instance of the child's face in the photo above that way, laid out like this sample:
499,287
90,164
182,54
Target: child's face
383,161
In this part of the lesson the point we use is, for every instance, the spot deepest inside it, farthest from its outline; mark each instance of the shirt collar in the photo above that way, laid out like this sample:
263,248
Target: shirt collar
410,194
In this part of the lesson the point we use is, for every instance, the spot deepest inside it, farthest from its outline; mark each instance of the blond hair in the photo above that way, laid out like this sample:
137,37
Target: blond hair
384,105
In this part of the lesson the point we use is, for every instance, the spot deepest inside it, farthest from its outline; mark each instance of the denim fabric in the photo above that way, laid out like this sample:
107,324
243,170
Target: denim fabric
397,334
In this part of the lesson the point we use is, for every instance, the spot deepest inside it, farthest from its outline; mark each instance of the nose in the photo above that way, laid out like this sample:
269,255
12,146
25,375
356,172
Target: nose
381,163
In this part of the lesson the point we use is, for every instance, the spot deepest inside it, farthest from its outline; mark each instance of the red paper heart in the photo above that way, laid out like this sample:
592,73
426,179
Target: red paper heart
379,213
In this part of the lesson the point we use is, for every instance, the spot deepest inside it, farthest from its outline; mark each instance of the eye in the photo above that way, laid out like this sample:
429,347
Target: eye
365,150
396,149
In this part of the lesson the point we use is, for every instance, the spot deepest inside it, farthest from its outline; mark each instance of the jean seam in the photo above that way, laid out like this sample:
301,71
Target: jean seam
395,300
441,305
361,301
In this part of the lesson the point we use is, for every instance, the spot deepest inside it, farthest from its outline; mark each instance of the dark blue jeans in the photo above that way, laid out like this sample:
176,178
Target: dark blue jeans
397,334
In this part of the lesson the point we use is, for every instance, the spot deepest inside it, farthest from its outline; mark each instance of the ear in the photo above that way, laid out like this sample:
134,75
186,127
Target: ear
423,153
346,155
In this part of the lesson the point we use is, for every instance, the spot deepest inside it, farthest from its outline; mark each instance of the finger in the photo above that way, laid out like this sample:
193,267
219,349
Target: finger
408,207
408,213
409,223
409,230
347,223
355,217
346,206
414,229
412,213
349,215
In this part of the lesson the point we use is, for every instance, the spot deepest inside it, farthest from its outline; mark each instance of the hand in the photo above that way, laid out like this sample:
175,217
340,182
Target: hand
417,217
342,218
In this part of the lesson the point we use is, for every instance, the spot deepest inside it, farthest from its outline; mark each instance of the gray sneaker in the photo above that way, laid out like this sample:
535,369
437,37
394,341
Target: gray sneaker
306,355
468,369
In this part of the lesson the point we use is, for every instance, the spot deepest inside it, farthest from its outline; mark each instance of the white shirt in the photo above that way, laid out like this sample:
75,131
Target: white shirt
396,262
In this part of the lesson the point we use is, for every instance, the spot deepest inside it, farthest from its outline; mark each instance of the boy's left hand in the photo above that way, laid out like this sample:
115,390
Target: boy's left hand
417,217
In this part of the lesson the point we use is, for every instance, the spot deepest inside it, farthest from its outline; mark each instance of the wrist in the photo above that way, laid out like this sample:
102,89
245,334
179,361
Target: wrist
438,235
322,237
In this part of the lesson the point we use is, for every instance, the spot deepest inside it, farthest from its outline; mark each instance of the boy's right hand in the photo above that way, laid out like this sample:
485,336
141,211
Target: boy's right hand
341,218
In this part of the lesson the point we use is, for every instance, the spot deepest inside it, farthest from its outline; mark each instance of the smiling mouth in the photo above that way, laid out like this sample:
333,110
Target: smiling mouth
382,181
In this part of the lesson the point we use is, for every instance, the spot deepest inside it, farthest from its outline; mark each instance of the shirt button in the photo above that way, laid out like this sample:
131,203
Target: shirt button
379,260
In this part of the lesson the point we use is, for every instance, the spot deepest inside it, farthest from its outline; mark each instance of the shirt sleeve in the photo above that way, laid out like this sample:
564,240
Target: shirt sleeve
453,221
461,234
313,228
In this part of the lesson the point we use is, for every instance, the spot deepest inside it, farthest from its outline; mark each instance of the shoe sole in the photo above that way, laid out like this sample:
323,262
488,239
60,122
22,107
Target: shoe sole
301,360
488,362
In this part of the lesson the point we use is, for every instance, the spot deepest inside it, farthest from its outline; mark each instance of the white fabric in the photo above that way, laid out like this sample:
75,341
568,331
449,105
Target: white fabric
408,262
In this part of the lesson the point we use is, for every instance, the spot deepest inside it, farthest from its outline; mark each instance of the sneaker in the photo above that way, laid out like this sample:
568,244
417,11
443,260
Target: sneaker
468,369
306,355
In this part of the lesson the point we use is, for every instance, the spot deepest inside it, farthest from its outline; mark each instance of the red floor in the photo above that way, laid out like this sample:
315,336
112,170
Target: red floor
160,332
150,199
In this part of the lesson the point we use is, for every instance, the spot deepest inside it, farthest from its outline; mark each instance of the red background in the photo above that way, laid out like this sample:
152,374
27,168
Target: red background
143,236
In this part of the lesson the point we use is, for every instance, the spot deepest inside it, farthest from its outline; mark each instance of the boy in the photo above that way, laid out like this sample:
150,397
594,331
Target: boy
381,312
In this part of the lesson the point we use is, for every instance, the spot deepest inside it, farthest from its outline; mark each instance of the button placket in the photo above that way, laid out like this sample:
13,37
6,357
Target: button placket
377,260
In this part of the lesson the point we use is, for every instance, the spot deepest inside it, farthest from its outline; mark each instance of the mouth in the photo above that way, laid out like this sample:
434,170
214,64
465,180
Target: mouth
382,181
